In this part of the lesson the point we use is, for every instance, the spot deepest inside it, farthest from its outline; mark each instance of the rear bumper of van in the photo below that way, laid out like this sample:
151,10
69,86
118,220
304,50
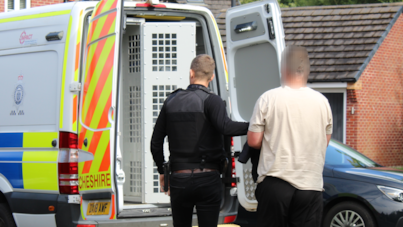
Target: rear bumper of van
145,222
55,210
28,208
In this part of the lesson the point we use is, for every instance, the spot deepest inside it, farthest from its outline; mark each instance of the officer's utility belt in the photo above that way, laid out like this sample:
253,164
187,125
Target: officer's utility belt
181,166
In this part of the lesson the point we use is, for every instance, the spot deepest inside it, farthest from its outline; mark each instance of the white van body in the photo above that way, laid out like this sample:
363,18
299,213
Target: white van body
82,84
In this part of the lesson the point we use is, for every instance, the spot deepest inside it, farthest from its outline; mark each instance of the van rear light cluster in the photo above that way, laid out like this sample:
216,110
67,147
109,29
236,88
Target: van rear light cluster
68,163
233,173
68,140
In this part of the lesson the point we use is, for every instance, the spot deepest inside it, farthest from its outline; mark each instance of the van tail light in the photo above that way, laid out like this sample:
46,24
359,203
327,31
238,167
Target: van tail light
68,140
79,225
68,163
229,219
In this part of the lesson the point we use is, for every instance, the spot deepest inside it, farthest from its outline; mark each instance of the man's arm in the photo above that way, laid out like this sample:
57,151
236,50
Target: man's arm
157,141
329,126
255,139
257,124
217,114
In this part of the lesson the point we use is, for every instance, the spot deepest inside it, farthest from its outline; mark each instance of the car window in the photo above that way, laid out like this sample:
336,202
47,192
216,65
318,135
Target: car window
338,154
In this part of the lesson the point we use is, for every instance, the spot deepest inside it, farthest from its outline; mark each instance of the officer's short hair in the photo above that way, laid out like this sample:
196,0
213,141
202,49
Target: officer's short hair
203,65
296,61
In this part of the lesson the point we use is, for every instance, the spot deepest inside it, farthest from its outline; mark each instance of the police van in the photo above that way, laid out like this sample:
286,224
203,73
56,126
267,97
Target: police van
81,87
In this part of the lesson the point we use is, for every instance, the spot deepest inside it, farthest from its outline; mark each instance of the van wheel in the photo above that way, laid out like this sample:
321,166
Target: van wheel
6,218
348,214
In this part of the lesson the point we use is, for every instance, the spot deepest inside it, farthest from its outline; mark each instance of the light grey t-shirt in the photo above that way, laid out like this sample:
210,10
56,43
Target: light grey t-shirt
295,123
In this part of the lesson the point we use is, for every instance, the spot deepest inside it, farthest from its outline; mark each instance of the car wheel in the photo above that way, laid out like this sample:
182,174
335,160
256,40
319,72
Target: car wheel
348,214
6,218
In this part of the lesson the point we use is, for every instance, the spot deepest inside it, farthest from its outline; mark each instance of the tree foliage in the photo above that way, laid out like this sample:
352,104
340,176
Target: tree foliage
294,3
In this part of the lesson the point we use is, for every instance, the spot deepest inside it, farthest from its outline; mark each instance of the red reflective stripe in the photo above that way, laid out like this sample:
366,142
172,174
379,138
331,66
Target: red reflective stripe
91,69
97,93
101,44
75,108
100,7
106,160
103,122
92,29
114,4
108,24
100,84
113,207
77,56
149,5
81,137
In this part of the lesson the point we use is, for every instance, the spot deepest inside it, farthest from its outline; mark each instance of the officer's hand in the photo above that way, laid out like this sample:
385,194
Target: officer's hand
162,183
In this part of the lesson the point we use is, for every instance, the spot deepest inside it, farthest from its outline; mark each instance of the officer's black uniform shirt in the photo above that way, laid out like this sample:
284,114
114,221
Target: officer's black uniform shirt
216,115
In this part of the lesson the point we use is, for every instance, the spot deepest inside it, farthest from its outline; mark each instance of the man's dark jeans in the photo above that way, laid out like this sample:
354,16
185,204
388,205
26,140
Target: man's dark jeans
282,205
202,190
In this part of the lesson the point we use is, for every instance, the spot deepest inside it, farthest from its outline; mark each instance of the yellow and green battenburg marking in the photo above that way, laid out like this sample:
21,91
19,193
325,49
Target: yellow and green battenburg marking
35,16
66,54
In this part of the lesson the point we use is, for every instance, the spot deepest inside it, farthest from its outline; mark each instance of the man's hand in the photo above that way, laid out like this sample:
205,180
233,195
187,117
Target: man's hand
162,184
255,139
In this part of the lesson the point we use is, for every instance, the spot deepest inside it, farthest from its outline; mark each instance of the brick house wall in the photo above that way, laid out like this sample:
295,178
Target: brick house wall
1,6
36,3
376,127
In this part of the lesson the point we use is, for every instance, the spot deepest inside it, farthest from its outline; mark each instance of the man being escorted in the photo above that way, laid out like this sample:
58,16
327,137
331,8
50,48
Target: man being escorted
292,126
195,121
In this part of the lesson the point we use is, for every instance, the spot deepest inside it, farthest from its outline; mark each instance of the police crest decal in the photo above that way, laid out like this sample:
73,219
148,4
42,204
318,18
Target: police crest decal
18,97
18,94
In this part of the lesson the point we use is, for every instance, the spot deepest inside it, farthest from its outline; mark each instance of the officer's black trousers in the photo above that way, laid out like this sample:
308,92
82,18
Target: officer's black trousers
202,190
282,205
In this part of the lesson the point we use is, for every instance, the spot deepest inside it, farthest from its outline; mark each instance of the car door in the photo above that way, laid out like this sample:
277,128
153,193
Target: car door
255,41
98,111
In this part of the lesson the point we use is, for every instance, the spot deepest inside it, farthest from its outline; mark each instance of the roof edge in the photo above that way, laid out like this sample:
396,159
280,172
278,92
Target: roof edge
332,80
378,44
343,6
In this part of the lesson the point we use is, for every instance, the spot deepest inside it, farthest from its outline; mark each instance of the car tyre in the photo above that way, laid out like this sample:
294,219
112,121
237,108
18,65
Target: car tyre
356,214
6,218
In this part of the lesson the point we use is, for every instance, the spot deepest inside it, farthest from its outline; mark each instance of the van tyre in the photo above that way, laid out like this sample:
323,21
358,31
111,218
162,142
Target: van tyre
356,215
6,218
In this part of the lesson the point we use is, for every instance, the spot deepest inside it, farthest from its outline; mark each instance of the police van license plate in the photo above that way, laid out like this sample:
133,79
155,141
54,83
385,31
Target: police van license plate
98,208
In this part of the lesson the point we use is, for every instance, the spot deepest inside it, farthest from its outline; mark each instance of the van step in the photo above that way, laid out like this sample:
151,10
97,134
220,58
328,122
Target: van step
145,212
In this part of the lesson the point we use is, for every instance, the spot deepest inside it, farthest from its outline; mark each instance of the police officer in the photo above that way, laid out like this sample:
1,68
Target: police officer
195,121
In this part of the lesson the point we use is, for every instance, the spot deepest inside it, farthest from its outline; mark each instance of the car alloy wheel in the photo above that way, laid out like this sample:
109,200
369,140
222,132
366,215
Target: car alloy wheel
348,213
347,218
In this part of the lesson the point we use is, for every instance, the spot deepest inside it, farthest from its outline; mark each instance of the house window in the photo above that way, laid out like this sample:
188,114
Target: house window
337,104
12,5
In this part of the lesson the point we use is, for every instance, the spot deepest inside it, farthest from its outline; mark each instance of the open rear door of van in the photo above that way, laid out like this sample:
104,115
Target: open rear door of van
255,41
98,112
